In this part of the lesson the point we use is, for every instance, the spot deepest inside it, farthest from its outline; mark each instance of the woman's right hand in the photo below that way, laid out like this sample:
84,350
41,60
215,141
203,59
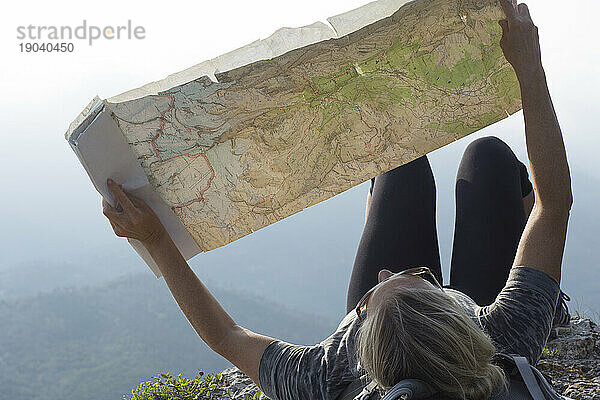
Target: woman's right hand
135,220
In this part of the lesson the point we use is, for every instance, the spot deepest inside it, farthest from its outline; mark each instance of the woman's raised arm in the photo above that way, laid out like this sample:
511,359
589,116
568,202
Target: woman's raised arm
543,240
240,346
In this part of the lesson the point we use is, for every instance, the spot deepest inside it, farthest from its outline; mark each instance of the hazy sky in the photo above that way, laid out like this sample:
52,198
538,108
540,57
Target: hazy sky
48,206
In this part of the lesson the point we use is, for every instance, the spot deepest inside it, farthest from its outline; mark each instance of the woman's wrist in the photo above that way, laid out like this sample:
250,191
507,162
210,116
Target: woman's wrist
532,78
158,240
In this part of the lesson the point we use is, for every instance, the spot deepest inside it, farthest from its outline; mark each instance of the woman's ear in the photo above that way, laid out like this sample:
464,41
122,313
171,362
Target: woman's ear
384,274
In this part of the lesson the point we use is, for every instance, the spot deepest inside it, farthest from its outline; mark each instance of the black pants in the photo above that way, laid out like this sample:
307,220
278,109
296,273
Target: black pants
400,231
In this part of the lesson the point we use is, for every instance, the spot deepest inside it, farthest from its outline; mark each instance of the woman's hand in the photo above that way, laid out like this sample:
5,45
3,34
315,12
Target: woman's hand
136,220
520,41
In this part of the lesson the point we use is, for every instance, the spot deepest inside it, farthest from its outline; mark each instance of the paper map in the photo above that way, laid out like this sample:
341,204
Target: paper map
270,138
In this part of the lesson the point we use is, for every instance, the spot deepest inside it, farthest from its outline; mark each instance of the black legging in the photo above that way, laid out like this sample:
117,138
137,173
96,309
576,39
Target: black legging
400,231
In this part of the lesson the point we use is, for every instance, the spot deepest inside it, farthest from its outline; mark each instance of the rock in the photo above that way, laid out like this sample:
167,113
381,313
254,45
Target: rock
571,360
239,384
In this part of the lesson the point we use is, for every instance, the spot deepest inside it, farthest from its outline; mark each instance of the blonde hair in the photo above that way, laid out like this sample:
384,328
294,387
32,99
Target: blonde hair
426,335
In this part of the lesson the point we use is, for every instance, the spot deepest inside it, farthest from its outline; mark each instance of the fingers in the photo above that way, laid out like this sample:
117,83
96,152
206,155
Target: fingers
524,10
114,216
106,207
136,220
109,211
120,195
509,8
120,232
138,203
504,25
119,221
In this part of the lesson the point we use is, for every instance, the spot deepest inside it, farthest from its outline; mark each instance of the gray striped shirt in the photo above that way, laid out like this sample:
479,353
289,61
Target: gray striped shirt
518,322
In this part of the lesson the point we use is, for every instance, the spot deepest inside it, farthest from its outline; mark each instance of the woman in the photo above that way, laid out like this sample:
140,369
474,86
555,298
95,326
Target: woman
407,326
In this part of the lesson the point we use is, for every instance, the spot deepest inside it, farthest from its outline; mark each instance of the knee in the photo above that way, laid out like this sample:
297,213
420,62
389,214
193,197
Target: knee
488,144
413,176
490,149
416,168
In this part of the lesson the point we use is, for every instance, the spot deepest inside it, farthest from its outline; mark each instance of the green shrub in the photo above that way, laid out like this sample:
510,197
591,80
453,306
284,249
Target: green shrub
167,387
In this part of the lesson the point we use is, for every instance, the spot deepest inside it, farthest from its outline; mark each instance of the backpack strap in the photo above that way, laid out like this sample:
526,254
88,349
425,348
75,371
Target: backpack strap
358,390
535,383
530,381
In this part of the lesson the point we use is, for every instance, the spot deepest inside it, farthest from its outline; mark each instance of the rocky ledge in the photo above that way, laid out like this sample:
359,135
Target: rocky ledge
571,359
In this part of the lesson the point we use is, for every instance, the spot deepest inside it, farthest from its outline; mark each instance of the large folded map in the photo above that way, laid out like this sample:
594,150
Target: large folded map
246,139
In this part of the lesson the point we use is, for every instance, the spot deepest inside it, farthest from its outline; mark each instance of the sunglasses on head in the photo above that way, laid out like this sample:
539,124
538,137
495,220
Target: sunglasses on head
422,272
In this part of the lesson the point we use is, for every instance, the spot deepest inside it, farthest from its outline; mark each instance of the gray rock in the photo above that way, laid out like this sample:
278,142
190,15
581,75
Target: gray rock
572,360
240,385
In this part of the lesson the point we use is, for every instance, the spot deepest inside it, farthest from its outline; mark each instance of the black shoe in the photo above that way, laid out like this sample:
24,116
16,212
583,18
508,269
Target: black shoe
562,317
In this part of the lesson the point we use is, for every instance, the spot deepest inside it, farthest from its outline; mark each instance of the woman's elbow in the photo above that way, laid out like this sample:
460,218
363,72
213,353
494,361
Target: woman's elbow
560,202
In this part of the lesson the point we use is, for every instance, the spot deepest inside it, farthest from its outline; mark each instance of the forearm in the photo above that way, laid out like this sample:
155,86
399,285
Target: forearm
543,239
208,318
545,146
137,221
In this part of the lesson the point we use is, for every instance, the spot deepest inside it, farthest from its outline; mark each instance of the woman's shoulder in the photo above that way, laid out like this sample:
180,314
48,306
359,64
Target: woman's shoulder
325,368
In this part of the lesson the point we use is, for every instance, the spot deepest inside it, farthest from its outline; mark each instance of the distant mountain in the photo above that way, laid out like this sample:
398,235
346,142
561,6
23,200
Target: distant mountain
34,277
100,342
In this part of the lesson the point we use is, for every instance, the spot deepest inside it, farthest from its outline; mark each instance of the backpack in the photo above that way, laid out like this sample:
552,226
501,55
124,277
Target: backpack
525,382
